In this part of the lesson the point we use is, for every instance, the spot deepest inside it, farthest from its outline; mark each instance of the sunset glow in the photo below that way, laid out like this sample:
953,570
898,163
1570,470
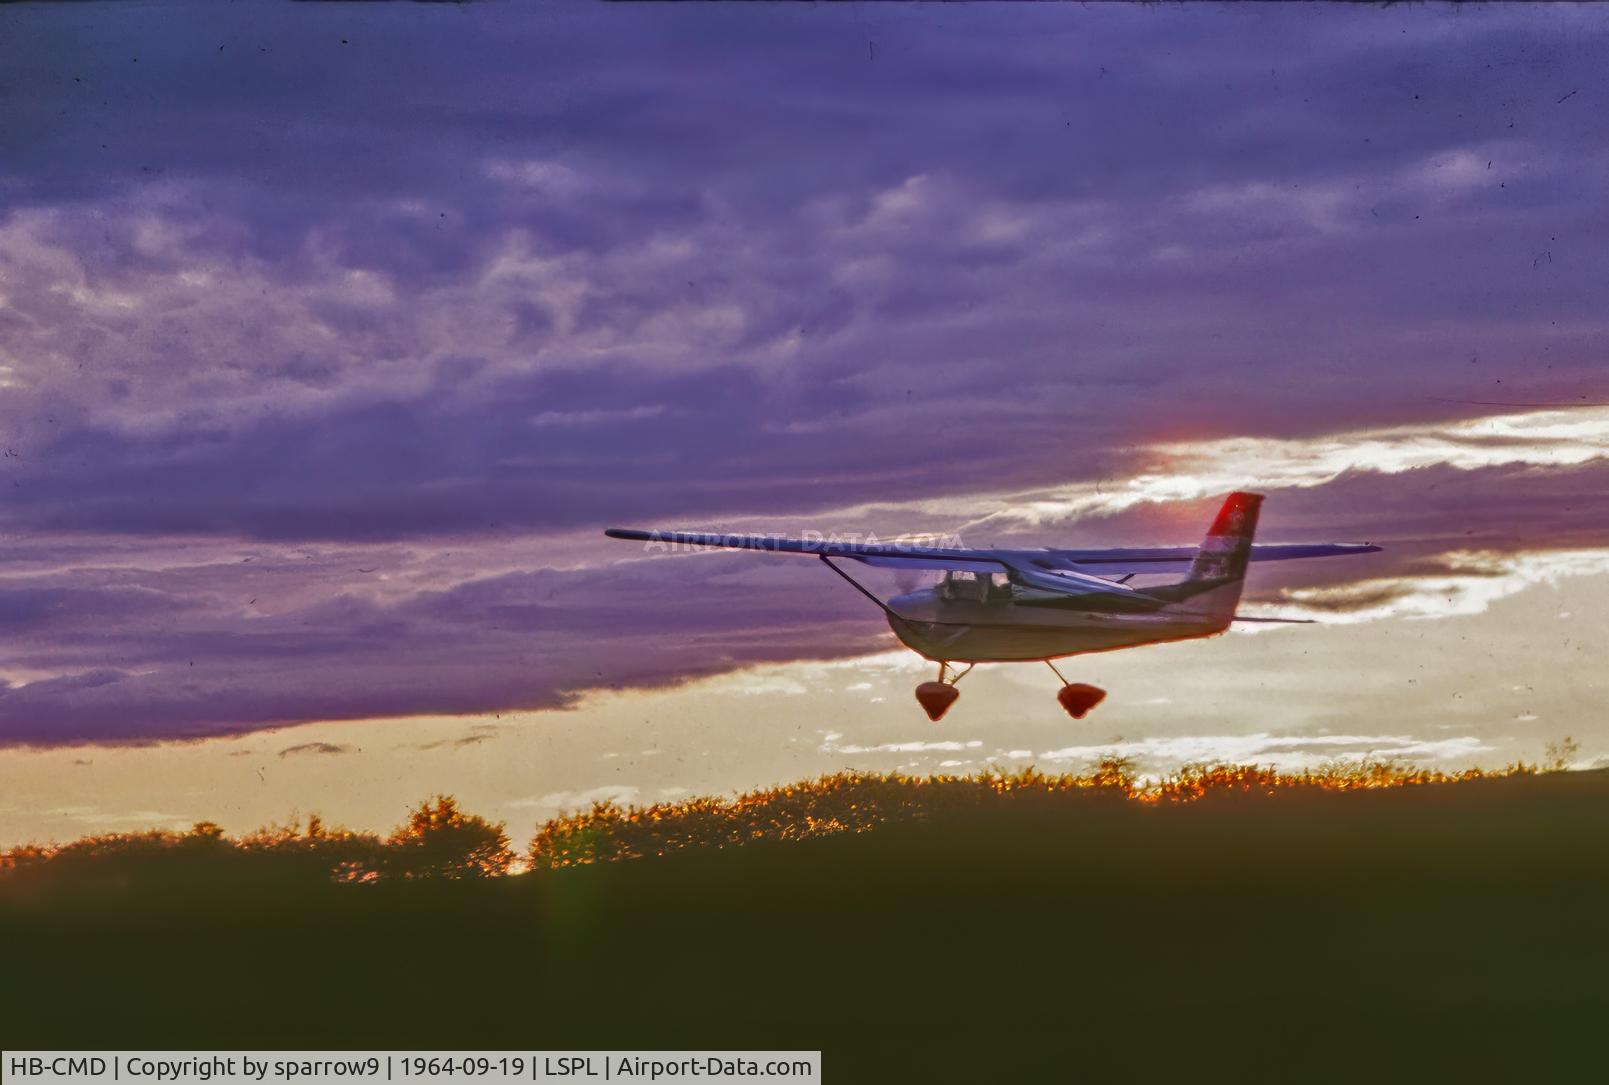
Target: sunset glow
310,430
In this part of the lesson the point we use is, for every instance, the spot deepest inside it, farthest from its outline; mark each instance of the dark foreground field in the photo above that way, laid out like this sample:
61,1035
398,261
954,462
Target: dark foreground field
1441,928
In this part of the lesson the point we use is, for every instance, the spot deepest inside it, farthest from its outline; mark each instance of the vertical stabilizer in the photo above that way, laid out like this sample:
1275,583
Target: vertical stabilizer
1219,569
1227,547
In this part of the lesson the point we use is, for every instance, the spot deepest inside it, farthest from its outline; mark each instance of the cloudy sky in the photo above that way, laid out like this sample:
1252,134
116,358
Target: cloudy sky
331,336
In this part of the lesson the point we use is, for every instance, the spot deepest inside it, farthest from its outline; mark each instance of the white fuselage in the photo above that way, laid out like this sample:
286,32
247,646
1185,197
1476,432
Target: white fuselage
999,623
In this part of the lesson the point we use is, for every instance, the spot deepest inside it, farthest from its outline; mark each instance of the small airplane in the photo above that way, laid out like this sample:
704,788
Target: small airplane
997,606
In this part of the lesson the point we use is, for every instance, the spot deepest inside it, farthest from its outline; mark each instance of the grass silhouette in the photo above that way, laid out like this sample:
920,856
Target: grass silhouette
1222,921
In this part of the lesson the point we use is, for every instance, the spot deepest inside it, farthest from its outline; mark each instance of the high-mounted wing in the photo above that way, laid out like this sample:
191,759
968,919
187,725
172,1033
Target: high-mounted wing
1067,572
1026,566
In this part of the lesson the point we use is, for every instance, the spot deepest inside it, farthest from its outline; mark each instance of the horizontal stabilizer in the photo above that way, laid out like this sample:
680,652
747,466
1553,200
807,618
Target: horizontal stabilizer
1177,559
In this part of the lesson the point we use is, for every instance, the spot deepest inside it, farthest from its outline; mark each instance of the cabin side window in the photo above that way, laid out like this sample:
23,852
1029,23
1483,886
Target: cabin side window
975,587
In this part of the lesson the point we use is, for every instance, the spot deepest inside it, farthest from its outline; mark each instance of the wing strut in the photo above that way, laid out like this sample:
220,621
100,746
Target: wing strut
855,584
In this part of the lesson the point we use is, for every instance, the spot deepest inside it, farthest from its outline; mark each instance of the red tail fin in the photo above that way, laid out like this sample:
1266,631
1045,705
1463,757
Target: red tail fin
1227,547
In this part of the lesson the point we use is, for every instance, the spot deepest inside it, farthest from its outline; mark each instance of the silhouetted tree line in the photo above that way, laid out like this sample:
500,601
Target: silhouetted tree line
437,841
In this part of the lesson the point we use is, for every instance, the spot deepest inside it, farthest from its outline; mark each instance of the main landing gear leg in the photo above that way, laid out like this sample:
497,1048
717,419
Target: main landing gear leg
1078,698
937,697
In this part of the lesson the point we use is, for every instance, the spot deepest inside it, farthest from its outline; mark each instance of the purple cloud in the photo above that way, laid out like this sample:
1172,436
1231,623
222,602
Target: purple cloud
576,268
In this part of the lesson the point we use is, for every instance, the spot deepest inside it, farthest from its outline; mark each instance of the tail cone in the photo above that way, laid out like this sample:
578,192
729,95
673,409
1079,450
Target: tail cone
936,698
1078,698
